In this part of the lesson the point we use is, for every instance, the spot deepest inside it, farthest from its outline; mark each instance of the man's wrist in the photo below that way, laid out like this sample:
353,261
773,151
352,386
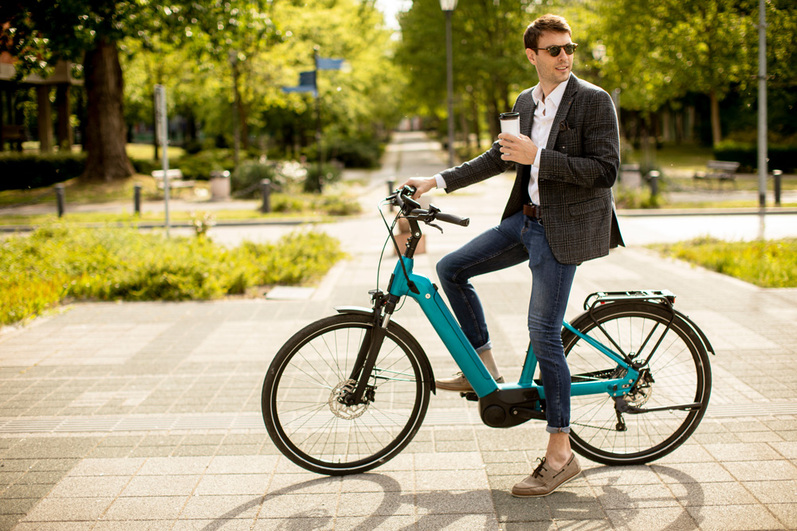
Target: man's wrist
439,181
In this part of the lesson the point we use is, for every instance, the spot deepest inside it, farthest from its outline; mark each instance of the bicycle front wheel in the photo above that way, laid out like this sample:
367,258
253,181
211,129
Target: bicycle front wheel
669,400
302,406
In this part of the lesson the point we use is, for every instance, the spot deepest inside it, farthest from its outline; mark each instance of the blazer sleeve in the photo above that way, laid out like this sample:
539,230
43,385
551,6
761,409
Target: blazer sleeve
490,163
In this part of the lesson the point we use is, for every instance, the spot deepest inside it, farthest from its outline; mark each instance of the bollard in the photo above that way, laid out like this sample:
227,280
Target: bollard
265,190
653,176
137,199
777,175
390,184
59,198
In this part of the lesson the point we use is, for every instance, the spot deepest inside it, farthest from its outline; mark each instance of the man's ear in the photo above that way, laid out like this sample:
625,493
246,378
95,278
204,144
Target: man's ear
532,56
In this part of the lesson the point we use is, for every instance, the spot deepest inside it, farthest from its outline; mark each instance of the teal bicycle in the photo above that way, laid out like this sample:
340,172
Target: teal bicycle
348,392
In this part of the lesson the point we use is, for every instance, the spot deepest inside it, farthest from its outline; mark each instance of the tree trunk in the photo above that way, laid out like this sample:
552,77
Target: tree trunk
105,125
716,129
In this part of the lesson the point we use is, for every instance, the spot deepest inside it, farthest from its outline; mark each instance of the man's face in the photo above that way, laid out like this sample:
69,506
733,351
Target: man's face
551,70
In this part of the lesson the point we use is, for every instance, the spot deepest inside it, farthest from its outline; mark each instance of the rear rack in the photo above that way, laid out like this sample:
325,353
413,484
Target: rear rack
661,296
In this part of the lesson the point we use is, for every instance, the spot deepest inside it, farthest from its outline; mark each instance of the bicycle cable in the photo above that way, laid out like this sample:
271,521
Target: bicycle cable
392,238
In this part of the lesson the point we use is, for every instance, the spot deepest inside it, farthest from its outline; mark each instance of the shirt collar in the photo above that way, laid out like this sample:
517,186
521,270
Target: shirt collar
554,97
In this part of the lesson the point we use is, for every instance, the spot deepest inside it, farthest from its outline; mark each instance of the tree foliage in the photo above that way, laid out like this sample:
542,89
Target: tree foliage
657,53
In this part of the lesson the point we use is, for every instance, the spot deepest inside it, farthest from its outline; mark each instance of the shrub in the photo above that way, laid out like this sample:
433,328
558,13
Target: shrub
199,165
328,173
635,198
21,171
245,180
146,166
780,157
61,262
363,152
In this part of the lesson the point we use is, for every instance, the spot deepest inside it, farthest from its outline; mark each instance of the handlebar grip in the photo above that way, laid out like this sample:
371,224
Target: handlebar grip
451,218
404,195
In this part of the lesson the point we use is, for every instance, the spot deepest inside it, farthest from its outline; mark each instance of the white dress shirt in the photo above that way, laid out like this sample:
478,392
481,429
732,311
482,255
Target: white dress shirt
544,114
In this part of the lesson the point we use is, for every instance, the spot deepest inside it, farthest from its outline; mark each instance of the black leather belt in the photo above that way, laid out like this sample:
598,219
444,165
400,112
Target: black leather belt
532,211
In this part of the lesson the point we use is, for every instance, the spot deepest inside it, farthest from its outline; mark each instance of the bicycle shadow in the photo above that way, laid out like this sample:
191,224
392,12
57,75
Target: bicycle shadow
564,505
390,507
626,503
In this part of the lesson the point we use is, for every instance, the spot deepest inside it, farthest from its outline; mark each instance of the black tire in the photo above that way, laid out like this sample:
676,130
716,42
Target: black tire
318,433
680,373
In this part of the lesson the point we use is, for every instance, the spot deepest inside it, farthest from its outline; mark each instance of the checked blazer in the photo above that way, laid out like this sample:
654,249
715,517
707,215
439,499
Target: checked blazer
578,167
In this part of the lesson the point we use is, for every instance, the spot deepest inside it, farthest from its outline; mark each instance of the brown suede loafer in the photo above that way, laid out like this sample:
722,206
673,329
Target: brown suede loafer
459,383
544,481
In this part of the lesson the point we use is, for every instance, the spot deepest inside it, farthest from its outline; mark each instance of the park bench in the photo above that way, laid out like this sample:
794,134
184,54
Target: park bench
718,170
14,135
175,179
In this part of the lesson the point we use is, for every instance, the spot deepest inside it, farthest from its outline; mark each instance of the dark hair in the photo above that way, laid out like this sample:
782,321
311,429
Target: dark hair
545,23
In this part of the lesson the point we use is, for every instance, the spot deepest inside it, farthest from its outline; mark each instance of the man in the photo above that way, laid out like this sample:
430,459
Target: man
560,213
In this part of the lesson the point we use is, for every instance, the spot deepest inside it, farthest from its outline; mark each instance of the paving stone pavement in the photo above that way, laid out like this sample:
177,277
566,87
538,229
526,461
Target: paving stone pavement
147,415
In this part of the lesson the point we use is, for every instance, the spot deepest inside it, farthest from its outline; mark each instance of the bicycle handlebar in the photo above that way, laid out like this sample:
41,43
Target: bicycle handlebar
451,218
411,209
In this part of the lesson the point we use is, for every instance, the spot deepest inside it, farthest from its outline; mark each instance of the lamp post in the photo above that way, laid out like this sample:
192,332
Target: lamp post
448,7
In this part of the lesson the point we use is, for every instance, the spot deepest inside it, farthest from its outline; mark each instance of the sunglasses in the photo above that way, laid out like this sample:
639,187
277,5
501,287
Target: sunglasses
554,50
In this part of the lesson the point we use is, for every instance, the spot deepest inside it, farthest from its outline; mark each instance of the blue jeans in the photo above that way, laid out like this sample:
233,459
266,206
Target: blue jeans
518,239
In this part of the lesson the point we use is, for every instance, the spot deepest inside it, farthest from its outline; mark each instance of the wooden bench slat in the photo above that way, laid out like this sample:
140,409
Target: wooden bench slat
721,170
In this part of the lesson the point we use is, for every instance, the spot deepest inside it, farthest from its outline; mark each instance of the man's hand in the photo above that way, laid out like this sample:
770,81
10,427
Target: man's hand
518,149
421,185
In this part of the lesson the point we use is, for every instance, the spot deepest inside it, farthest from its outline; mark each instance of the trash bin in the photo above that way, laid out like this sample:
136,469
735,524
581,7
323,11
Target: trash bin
219,185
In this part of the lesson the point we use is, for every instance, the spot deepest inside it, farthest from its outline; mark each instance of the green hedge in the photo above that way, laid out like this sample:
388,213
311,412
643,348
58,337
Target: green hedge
782,158
21,171
62,262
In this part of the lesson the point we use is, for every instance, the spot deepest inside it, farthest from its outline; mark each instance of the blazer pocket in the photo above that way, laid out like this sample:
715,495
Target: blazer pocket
568,141
586,207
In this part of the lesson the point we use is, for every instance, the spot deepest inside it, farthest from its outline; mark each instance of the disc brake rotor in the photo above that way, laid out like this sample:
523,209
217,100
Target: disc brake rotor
641,392
337,405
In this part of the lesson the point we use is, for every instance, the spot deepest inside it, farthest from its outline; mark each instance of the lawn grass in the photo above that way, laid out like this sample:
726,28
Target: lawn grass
147,151
684,157
769,264
127,217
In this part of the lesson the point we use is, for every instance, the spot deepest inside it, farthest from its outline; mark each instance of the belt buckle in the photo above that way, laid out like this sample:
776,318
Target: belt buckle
531,210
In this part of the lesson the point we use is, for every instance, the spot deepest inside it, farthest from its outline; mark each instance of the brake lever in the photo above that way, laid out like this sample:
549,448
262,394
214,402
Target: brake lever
436,226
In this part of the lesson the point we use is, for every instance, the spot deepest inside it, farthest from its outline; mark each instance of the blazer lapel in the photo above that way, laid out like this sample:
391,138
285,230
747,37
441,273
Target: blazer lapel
559,123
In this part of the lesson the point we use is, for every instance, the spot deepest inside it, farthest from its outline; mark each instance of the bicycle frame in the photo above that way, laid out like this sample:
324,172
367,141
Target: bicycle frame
372,380
421,289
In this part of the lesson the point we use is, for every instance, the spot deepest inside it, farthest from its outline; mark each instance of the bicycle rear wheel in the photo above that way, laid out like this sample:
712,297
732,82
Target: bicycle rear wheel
671,396
302,406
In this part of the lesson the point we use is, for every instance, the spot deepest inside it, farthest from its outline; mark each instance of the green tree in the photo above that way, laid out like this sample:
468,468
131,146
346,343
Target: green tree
235,34
662,50
490,67
43,31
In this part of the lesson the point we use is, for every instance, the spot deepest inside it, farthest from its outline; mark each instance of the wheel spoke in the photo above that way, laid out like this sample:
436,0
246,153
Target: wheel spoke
670,404
304,405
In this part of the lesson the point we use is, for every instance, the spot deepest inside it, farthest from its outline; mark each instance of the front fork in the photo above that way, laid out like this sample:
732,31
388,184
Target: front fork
383,305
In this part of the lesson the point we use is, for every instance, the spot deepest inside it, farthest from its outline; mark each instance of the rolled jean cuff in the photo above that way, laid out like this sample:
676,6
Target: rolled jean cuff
486,346
552,429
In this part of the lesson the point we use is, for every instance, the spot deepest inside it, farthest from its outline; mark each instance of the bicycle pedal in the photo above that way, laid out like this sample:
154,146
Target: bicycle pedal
470,395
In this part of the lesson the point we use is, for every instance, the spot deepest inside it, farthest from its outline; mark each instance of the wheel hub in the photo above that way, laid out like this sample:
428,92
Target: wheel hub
641,393
337,401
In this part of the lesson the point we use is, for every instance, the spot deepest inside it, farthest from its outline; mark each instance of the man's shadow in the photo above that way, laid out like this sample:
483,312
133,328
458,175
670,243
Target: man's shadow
394,497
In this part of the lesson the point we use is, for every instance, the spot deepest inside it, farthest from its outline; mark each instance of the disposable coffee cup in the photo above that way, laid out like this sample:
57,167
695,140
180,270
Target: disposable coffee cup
510,122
